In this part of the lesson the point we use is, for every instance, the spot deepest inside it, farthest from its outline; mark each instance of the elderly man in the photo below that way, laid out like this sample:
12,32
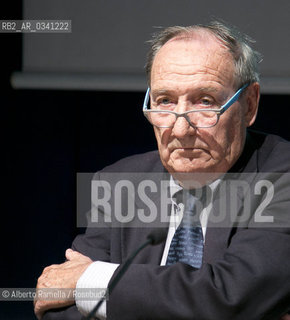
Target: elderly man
204,94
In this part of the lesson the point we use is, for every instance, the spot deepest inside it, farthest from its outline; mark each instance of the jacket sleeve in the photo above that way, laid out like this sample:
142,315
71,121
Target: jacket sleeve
250,282
94,244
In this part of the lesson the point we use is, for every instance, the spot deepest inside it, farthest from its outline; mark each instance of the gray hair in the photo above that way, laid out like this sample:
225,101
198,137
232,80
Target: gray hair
246,59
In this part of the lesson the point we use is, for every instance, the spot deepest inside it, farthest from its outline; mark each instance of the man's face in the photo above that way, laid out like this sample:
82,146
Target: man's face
199,72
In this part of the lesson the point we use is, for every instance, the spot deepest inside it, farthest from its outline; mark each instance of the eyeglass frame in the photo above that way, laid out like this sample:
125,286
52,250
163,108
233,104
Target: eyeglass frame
219,111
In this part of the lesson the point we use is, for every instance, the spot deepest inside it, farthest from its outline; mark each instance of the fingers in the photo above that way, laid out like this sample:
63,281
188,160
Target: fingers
53,290
71,254
75,255
286,317
41,305
61,278
38,312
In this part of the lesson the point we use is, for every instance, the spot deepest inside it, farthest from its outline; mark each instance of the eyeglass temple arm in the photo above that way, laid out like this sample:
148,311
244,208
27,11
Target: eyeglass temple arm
146,99
234,98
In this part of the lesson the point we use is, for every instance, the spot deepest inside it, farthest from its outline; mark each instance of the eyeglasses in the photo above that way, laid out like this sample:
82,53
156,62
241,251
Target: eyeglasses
201,118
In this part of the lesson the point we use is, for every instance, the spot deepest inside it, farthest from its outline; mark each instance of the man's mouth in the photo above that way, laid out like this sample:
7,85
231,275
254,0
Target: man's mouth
191,150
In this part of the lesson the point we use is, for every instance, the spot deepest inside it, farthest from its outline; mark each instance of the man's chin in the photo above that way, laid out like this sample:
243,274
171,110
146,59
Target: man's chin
190,165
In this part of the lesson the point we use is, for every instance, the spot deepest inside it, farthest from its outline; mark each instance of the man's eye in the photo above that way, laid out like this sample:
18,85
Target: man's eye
206,102
164,101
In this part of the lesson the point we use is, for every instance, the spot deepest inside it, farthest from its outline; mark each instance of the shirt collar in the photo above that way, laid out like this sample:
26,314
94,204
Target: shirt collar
174,187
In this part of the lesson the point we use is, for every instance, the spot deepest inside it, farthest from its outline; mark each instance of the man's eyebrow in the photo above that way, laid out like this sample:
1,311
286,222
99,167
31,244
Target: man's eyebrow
158,92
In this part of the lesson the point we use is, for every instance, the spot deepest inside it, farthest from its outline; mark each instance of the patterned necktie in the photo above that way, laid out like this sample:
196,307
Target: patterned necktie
187,243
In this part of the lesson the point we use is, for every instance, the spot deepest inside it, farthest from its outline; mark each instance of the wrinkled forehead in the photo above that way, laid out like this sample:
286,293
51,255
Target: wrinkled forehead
192,55
197,42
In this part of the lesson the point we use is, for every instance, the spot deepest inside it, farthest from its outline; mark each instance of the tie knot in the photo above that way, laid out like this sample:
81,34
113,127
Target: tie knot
194,201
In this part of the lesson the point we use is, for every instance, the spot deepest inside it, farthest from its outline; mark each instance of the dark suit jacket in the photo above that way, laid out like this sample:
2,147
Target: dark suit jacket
246,266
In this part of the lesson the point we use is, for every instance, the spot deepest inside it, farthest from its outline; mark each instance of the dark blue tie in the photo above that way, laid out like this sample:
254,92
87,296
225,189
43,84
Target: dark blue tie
187,243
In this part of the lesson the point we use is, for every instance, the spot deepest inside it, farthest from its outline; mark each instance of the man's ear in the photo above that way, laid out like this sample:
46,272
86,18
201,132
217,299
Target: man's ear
252,98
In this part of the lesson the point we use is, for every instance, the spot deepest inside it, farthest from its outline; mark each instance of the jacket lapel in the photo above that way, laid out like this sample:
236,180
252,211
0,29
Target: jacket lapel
135,236
229,203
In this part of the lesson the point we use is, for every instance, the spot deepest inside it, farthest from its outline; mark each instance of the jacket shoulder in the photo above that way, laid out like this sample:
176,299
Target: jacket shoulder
273,154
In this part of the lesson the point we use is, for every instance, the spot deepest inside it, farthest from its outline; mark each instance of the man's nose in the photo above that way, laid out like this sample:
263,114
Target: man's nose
182,128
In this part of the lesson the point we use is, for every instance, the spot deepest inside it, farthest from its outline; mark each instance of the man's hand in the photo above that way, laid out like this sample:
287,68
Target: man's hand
60,276
286,317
